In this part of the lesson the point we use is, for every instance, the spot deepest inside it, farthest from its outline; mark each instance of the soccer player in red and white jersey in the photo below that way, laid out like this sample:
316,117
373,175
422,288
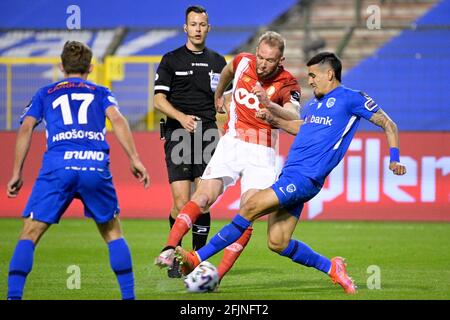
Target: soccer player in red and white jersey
248,148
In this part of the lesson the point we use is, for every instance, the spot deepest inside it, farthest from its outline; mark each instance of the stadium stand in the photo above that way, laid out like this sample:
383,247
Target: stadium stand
438,16
152,28
107,14
402,64
411,44
148,29
409,74
137,43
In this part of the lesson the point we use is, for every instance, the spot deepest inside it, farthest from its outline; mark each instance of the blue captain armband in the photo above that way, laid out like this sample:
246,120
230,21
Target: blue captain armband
395,154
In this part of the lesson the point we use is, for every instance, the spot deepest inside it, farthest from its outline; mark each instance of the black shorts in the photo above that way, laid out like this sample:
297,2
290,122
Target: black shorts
188,154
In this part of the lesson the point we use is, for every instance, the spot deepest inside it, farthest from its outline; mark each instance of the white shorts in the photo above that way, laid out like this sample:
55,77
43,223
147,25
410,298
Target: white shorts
234,159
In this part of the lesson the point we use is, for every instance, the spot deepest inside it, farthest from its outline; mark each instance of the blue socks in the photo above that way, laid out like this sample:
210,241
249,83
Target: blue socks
22,263
301,253
226,236
120,260
19,268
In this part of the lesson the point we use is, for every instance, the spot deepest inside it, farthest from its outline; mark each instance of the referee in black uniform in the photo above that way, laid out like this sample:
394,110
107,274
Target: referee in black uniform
184,91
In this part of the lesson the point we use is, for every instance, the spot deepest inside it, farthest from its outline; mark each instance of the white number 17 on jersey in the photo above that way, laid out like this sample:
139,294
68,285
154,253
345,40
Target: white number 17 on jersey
63,101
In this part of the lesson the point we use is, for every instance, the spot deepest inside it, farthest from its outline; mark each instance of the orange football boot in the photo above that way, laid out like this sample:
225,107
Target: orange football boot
188,260
338,274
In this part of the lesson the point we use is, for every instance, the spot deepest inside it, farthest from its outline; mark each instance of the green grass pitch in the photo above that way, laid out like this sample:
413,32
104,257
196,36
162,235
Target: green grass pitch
413,260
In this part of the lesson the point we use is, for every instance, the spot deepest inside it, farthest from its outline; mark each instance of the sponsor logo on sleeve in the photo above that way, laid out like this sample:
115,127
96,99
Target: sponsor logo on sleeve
112,100
295,96
25,110
370,104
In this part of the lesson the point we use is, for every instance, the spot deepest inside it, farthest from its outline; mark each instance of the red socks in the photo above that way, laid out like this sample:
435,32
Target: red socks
187,216
190,212
233,251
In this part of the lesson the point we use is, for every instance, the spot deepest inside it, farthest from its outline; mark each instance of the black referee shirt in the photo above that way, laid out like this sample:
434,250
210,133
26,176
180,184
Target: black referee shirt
188,79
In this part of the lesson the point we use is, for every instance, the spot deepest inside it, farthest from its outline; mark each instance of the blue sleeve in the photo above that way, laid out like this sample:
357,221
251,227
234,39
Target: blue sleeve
109,99
34,109
363,105
304,109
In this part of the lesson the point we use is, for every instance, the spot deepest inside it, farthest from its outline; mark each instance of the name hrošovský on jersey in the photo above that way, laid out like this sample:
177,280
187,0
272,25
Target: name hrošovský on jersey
73,111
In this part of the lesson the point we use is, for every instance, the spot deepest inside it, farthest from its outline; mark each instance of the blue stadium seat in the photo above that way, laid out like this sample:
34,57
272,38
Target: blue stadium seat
233,23
49,43
221,41
408,76
105,14
439,15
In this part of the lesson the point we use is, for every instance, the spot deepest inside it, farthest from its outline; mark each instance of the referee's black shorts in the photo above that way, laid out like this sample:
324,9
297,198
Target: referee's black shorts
187,153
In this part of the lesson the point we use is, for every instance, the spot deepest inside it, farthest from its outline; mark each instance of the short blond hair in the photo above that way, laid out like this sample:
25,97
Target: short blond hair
273,39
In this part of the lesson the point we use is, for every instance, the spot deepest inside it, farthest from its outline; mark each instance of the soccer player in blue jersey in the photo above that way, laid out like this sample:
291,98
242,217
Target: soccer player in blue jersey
75,165
329,123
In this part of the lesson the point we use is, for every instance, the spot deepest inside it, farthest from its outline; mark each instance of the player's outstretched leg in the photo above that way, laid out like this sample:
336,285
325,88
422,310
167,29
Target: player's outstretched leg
258,205
281,226
232,253
226,236
301,253
205,195
200,231
183,223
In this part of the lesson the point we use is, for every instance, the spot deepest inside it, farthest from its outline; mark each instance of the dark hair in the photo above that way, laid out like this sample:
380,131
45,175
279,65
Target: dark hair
196,9
329,58
76,57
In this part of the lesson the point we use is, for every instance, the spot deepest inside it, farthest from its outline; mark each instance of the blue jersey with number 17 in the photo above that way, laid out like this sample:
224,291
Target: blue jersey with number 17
330,124
73,111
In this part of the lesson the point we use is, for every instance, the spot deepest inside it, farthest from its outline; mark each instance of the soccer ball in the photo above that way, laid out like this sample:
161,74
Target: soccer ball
204,278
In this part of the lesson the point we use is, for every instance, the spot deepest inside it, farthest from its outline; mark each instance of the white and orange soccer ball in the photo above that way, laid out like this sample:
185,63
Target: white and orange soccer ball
204,278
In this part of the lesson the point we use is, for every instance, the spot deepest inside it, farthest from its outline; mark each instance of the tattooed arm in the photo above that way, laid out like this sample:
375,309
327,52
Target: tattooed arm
381,119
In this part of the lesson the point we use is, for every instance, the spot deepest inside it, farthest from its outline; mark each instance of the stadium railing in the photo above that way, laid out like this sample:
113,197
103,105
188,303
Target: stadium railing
132,80
130,77
20,77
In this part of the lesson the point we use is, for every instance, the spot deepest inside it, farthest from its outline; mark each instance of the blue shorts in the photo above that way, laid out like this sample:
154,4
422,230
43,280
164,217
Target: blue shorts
293,190
54,191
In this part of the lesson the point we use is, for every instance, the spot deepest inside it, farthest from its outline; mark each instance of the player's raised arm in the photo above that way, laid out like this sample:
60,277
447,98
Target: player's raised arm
123,133
226,76
23,143
381,119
